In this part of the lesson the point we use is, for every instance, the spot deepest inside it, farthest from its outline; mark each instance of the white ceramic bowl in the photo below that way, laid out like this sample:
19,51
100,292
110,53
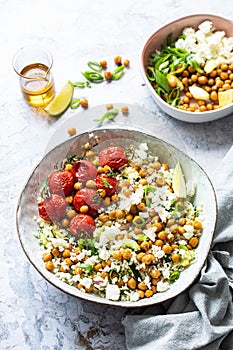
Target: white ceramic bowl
158,38
27,206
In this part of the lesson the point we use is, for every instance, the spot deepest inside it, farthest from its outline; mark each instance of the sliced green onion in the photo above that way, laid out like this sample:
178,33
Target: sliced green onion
181,246
150,73
93,76
142,237
194,64
161,79
94,66
174,276
118,72
139,220
81,84
75,103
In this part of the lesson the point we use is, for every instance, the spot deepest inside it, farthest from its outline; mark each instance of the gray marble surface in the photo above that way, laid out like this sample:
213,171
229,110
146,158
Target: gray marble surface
34,314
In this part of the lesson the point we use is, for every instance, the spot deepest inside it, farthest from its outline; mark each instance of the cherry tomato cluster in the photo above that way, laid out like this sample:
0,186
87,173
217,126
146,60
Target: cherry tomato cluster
86,202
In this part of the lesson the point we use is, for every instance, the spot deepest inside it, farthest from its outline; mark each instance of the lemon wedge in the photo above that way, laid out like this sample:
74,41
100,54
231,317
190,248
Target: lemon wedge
61,102
225,97
199,93
210,65
178,182
173,81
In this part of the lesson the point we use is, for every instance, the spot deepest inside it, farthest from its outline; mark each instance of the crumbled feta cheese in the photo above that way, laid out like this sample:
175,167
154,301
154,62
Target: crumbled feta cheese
134,296
162,286
59,242
147,282
135,198
112,292
206,43
150,233
157,252
104,254
189,231
108,235
86,282
166,272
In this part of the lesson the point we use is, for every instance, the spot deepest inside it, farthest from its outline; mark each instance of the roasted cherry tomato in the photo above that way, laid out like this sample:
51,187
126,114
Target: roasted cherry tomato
61,182
113,156
42,211
82,223
89,197
84,170
52,208
104,182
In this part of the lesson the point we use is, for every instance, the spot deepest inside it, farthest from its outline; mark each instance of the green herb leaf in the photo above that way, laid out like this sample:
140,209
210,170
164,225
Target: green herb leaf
87,267
105,182
135,272
109,116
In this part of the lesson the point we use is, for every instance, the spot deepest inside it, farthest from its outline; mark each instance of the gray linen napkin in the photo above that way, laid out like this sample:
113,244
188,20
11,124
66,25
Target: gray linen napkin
201,317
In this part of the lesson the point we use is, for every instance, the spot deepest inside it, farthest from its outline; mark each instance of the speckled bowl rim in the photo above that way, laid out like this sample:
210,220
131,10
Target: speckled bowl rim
72,291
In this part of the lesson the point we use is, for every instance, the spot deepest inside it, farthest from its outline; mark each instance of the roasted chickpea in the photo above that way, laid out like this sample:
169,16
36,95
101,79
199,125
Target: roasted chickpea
219,83
148,259
224,67
194,78
49,265
185,81
197,225
193,242
202,108
224,75
213,73
175,257
145,245
84,102
66,253
142,286
167,249
47,257
154,273
202,80
214,96
211,81
117,255
126,254
148,293
120,214
226,87
132,284
185,73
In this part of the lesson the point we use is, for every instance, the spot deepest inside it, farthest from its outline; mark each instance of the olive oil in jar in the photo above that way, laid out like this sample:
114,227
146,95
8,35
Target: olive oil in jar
37,84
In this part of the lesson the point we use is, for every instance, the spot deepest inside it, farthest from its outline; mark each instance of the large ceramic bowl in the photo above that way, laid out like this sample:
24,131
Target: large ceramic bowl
27,206
158,38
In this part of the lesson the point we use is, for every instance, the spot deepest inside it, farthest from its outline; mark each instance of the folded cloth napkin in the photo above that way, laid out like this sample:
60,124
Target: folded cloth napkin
202,316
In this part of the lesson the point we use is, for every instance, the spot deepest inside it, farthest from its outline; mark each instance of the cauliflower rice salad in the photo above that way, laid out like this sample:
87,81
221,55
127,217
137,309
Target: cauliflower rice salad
113,223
